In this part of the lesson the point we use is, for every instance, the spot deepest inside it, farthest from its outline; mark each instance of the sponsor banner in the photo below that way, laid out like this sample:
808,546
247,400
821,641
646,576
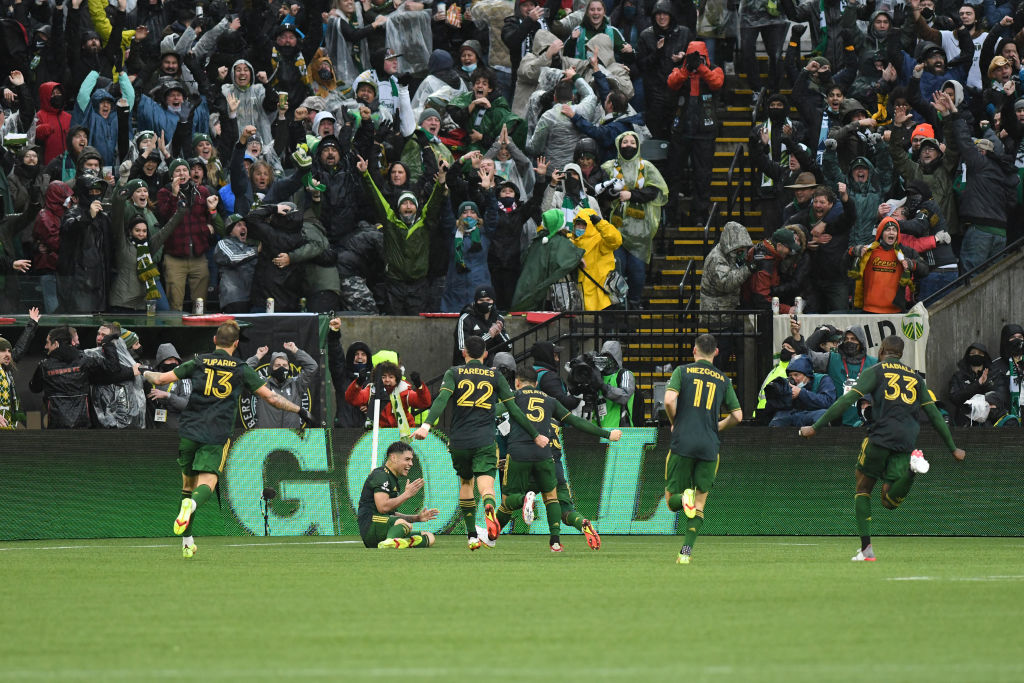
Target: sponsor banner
911,327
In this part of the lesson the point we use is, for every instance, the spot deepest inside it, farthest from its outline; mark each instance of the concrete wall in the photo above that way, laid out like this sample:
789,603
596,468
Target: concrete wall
977,313
424,344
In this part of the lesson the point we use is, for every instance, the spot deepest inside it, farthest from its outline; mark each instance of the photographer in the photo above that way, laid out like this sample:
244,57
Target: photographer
765,260
621,407
545,363
185,249
807,393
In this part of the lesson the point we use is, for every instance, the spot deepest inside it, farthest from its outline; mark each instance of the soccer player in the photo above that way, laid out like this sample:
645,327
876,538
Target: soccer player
218,379
471,441
693,400
379,525
526,462
897,395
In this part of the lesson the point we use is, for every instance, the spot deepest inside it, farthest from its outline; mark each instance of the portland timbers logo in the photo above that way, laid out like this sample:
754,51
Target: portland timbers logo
913,326
247,404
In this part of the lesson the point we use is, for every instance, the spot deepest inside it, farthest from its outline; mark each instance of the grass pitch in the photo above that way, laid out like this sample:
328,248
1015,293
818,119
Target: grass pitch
311,609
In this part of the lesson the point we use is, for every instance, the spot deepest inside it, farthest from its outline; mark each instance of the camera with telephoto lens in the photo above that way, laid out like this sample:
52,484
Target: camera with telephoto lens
693,61
778,394
760,252
585,378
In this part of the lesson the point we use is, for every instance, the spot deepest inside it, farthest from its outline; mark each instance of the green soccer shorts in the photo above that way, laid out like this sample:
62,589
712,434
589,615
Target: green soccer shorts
195,457
472,462
378,531
682,472
881,463
522,476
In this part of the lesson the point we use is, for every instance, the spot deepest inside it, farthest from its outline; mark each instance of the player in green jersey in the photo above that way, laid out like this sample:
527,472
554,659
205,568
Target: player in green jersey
529,464
897,395
383,492
218,380
471,440
693,400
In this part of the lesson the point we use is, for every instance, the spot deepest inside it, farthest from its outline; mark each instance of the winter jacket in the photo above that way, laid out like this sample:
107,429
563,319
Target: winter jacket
884,275
555,137
548,379
236,263
937,174
277,235
52,125
343,371
826,42
127,291
866,196
149,115
85,260
990,181
179,392
606,130
64,378
472,323
46,230
292,389
192,236
757,290
655,64
459,287
362,253
1008,373
519,34
725,271
406,247
829,261
498,115
965,383
318,261
697,115
418,398
26,185
843,367
103,132
599,241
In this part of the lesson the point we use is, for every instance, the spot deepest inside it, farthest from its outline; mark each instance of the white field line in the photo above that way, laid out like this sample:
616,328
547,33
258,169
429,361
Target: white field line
995,577
172,545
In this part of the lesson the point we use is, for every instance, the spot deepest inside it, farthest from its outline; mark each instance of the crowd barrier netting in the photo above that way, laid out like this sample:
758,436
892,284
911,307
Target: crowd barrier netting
99,484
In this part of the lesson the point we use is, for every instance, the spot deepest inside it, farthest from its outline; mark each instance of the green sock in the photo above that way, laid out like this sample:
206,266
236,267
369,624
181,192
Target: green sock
202,494
862,505
900,488
554,511
489,500
513,501
188,530
398,531
693,528
418,541
504,515
675,502
468,508
573,518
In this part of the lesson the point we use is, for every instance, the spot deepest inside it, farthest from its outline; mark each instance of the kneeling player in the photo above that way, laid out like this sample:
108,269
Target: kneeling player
693,400
383,492
526,459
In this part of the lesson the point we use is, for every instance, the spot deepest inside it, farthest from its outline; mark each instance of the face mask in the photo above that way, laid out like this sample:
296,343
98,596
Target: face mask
627,152
469,68
578,230
470,222
280,374
507,202
166,367
325,74
57,101
785,355
850,348
572,186
629,11
800,384
483,308
777,115
928,13
976,360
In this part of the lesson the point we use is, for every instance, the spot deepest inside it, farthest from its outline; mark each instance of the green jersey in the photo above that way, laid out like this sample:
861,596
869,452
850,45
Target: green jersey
217,383
381,480
477,389
542,410
897,395
703,390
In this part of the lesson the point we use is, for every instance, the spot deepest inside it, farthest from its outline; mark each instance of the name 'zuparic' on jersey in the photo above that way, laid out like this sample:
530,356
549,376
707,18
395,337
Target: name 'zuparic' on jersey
217,383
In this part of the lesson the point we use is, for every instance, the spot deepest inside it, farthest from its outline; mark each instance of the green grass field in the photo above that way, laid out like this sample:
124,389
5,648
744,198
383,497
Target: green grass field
311,609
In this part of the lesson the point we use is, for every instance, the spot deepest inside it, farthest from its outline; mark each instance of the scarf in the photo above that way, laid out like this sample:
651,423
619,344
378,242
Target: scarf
146,270
826,122
8,399
401,419
819,49
631,173
766,181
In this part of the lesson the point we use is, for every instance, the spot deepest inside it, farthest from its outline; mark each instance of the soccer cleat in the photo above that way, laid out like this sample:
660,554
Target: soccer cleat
189,551
481,535
918,465
395,543
493,528
474,543
188,508
864,555
682,559
593,540
556,547
528,507
689,505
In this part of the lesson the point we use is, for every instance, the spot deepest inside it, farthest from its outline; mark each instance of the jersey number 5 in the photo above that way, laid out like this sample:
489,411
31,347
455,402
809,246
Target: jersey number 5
700,384
907,393
535,409
222,388
475,395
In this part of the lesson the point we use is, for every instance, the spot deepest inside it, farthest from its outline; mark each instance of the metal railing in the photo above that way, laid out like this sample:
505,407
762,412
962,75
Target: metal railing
736,189
965,279
688,288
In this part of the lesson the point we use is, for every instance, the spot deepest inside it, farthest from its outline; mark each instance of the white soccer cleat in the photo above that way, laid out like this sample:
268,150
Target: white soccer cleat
918,465
528,515
556,547
864,555
481,534
474,543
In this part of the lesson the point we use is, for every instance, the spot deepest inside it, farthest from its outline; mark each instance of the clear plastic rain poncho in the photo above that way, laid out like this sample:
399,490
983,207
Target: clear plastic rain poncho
408,34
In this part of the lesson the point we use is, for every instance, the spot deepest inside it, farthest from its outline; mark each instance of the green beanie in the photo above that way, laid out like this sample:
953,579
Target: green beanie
136,184
174,164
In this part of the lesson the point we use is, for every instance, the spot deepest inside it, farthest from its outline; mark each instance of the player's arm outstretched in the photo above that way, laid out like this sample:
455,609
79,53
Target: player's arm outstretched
281,403
586,426
866,383
437,408
938,424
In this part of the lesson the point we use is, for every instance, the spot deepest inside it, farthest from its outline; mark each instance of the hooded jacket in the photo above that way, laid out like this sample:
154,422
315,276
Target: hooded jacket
254,106
555,137
639,218
548,379
615,74
292,388
965,383
656,63
85,260
884,275
990,180
725,271
64,378
599,241
52,126
550,257
1007,373
277,235
126,290
937,174
46,230
866,196
618,390
66,164
696,90
844,367
175,403
529,69
343,372
412,397
406,247
818,394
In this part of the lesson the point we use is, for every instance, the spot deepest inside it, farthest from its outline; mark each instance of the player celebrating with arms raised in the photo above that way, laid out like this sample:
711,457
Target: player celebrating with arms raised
693,400
379,525
206,423
897,394
471,442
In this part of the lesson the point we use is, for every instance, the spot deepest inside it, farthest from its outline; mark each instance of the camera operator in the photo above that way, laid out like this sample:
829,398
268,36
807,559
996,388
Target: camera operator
283,383
765,260
621,406
810,394
545,362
